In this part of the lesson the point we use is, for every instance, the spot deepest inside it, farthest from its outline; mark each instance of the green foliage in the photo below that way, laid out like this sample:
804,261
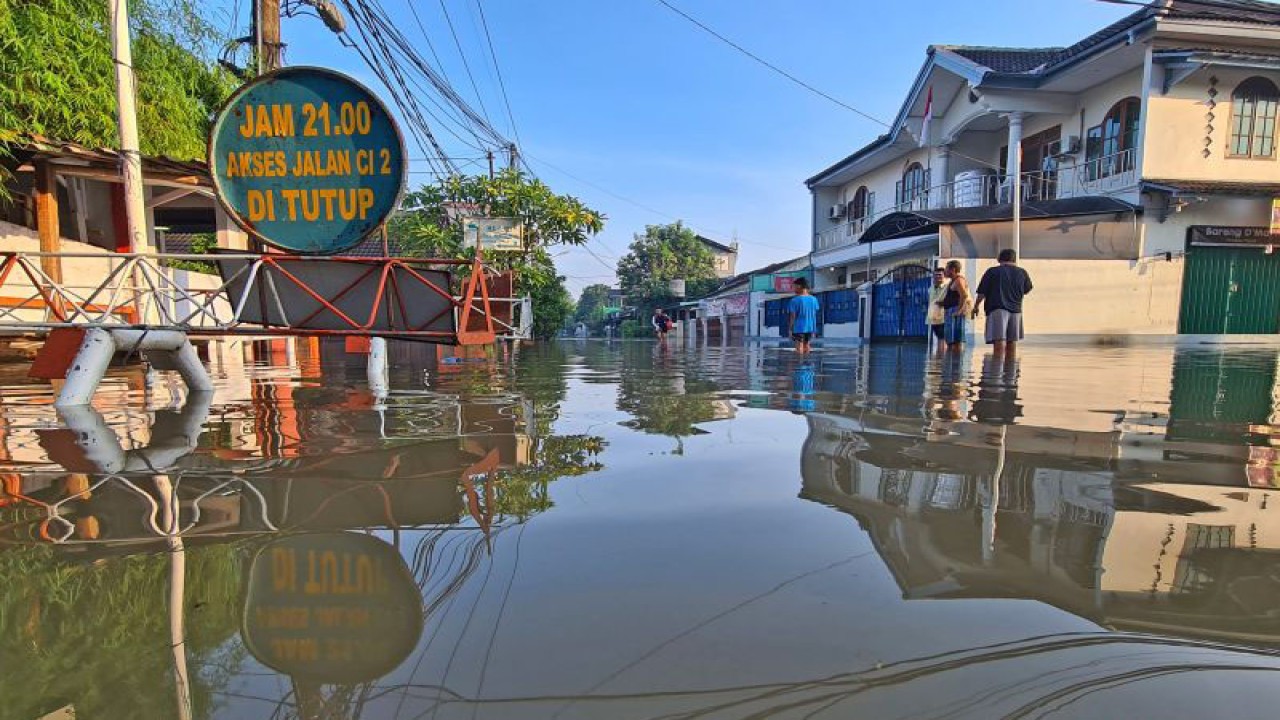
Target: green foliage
203,244
57,78
662,254
96,636
552,308
592,304
422,228
635,329
524,491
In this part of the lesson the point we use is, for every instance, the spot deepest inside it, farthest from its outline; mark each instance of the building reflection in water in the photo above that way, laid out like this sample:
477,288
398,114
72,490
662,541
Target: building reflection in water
1173,532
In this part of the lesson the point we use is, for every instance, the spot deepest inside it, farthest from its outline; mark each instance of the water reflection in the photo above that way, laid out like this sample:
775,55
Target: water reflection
609,530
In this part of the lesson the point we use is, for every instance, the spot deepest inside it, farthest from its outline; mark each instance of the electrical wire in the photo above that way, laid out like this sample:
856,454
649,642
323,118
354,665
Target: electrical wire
427,101
646,208
465,65
497,69
770,65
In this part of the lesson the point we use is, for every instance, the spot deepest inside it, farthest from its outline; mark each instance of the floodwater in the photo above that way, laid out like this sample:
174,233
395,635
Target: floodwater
593,530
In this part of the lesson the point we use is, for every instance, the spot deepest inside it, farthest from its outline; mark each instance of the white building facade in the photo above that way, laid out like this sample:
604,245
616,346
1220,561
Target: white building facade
1146,176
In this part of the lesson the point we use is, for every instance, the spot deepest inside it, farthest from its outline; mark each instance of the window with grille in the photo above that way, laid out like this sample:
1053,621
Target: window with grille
1253,119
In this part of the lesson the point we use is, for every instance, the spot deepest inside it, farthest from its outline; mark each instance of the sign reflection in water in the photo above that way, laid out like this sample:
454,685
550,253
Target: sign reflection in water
163,523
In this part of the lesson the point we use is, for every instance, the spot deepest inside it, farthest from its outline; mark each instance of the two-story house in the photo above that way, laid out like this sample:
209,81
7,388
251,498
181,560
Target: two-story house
1146,175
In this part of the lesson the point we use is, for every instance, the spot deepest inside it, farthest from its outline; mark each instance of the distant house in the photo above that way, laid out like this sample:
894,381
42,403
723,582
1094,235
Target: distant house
737,309
726,256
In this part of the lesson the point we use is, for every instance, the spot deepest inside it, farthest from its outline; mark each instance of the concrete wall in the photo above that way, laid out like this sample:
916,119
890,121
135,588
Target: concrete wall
1171,235
1143,550
1177,130
1096,297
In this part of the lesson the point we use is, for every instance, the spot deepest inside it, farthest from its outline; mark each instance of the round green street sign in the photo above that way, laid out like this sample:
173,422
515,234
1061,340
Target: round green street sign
307,160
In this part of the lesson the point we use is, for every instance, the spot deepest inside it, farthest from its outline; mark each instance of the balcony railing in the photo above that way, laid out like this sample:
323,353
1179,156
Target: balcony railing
1099,176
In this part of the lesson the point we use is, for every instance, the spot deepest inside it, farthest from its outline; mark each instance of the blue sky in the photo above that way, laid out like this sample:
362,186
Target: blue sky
642,105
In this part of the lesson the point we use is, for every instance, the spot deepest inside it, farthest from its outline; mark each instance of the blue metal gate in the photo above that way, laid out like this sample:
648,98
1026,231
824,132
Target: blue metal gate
900,304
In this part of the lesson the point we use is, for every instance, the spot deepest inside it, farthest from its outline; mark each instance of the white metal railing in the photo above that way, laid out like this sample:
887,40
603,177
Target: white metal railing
133,289
1102,175
1098,176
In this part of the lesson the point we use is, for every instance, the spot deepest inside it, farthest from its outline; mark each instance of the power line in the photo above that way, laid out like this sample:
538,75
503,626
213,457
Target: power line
646,208
498,69
465,65
770,65
806,85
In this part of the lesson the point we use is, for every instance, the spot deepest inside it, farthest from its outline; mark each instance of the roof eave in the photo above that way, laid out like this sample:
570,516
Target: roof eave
899,121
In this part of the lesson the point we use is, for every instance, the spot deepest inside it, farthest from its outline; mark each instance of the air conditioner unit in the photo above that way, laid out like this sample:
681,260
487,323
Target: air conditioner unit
1070,145
837,211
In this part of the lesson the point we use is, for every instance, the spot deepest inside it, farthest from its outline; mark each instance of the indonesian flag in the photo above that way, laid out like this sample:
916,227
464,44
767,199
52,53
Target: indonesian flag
928,117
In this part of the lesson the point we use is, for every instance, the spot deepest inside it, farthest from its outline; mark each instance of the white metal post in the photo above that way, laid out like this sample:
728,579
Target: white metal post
90,364
377,369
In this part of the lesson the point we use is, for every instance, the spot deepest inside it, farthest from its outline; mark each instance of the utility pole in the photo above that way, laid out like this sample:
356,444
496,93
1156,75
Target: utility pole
513,156
490,156
266,35
127,116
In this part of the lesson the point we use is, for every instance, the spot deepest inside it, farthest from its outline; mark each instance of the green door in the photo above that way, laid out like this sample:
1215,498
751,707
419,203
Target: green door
1230,291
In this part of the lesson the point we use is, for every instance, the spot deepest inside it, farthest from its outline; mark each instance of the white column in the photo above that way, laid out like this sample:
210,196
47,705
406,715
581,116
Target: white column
1015,177
944,197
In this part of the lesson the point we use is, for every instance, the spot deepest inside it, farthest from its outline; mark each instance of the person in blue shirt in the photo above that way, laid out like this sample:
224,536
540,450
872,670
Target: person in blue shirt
802,316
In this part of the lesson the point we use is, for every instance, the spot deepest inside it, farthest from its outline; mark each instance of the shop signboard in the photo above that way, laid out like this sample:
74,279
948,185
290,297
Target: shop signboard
493,234
1229,235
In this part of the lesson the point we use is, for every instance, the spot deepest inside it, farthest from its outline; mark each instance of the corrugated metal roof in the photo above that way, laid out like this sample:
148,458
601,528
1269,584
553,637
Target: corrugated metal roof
33,146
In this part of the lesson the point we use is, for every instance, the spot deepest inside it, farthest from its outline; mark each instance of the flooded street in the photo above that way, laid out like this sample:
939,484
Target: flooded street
596,530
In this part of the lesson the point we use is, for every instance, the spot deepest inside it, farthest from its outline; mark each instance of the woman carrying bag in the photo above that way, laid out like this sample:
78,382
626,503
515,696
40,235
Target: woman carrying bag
956,305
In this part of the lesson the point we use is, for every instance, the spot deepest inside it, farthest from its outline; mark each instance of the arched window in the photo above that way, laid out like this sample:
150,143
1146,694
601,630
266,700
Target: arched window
860,205
1112,144
913,185
1253,119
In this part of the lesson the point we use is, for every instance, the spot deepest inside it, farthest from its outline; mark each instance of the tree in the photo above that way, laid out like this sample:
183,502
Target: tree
592,305
57,77
423,227
662,254
552,307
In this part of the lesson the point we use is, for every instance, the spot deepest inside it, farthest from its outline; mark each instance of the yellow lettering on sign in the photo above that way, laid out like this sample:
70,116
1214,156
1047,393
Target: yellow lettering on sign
257,205
256,164
299,650
267,121
291,197
284,570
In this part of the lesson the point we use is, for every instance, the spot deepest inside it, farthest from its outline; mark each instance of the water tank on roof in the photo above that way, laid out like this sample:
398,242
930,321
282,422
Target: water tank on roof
973,188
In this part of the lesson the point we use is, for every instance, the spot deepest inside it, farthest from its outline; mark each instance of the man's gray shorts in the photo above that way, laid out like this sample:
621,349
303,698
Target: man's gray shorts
1003,325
